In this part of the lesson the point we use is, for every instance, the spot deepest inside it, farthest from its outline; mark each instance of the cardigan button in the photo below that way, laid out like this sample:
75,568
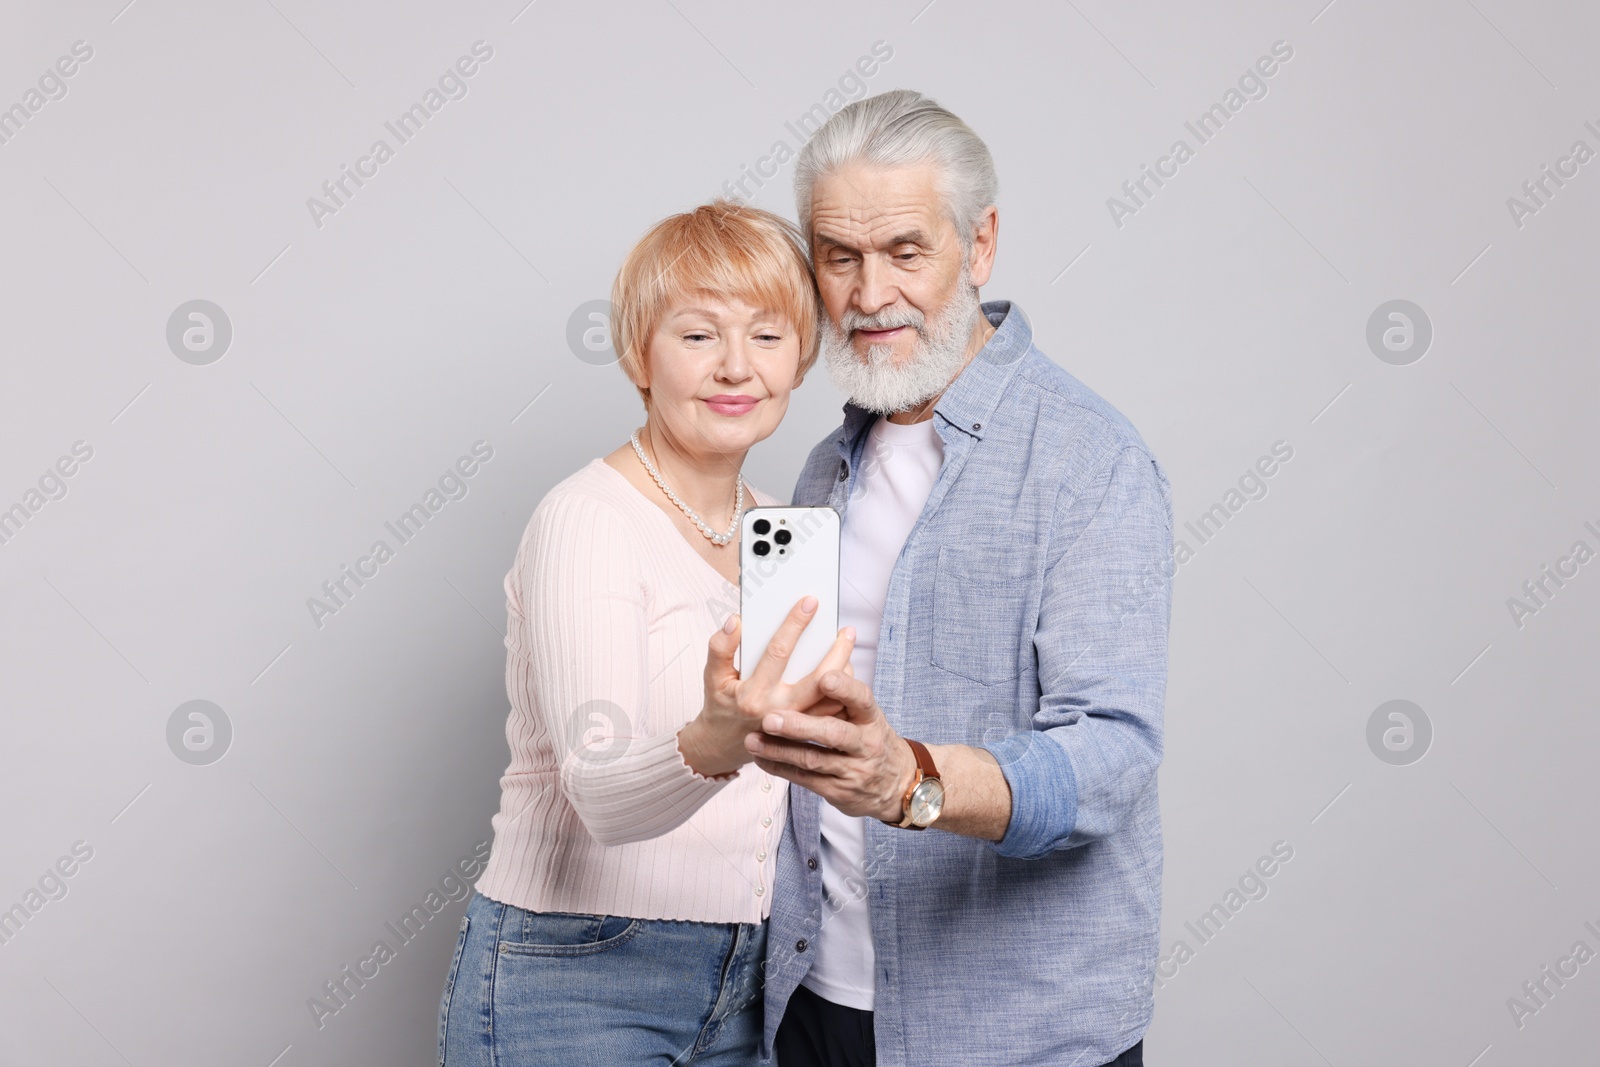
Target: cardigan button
812,863
801,945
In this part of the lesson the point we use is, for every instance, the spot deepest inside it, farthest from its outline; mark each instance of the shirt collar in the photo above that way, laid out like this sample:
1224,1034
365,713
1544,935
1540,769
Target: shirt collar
968,401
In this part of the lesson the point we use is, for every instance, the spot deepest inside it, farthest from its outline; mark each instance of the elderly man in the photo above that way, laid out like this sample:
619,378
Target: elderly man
1005,562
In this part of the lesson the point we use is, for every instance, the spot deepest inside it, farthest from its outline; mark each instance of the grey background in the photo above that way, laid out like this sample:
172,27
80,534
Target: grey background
368,354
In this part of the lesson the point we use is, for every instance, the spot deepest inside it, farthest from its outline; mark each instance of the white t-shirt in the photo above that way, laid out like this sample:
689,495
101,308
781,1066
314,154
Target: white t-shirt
898,468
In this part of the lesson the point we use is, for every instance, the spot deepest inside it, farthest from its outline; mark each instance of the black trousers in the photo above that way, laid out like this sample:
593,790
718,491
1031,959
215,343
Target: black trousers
819,1033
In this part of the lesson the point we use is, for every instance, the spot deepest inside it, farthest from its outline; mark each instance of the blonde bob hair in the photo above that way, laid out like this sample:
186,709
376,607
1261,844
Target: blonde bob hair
720,249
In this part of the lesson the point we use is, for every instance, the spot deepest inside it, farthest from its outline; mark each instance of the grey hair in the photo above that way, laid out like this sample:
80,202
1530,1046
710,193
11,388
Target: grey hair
898,128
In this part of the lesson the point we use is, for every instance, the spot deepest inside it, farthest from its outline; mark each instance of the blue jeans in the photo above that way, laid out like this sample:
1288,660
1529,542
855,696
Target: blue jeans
526,989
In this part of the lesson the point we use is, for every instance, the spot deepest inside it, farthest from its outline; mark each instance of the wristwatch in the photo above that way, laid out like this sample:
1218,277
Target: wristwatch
925,799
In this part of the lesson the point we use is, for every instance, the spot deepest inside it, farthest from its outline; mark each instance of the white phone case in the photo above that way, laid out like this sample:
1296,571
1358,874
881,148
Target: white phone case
771,583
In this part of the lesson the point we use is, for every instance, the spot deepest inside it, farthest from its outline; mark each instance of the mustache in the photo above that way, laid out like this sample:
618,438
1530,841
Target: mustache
887,319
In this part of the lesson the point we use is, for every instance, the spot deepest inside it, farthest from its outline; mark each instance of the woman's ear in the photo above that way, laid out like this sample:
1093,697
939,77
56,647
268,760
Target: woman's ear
643,365
801,370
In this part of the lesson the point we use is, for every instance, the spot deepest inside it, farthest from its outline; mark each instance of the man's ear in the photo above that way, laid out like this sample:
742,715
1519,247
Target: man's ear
985,233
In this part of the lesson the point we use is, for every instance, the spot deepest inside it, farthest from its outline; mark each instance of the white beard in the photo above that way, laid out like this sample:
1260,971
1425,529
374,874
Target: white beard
876,383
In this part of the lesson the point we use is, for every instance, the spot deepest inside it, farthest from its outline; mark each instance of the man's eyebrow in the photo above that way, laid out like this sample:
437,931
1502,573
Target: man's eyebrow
909,237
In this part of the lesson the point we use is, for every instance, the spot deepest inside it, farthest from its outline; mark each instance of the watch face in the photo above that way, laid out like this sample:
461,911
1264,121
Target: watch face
927,800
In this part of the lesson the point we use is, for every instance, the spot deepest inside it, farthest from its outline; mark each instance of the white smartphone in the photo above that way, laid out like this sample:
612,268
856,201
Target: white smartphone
786,553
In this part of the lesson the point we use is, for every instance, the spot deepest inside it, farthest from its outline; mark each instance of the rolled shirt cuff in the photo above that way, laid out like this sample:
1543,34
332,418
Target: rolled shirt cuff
1044,794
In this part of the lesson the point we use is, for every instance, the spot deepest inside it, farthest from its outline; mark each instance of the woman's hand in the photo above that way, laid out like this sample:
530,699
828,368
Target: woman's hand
713,742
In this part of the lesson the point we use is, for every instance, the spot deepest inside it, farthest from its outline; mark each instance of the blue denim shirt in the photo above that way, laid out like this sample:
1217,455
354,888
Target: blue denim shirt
1027,614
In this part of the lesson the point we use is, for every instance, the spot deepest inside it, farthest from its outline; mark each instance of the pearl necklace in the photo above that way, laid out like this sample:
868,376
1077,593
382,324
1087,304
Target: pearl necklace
738,500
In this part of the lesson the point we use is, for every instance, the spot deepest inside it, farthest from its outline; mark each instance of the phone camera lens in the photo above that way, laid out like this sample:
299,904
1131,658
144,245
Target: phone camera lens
761,548
782,537
761,526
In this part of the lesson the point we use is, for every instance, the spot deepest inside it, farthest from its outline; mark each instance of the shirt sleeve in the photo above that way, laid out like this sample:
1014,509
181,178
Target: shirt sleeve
578,675
1101,644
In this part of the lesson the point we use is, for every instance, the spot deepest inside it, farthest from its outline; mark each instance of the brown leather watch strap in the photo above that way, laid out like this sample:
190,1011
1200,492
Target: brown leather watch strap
926,769
924,760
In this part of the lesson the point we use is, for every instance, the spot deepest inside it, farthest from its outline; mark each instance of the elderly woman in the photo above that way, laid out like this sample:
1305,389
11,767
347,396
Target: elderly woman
622,916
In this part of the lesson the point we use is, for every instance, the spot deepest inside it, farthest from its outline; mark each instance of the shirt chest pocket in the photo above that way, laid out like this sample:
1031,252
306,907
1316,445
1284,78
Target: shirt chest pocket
980,606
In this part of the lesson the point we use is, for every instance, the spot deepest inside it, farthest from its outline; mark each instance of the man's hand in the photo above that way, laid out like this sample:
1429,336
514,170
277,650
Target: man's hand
862,767
712,742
